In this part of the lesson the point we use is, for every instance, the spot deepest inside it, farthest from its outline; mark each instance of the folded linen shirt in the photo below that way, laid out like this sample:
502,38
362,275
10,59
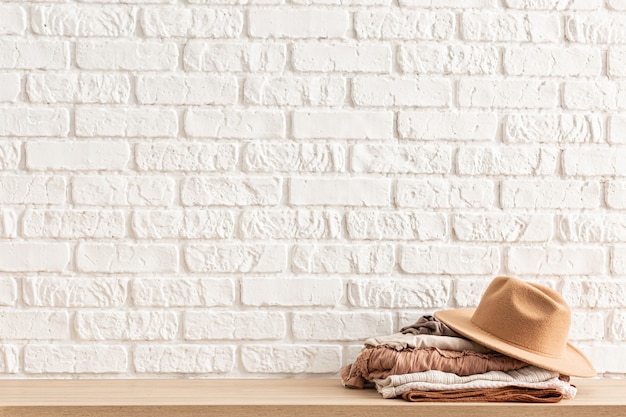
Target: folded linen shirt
527,377
381,362
401,341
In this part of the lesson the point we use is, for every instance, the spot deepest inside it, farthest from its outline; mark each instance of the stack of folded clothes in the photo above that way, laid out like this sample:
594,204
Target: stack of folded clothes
478,355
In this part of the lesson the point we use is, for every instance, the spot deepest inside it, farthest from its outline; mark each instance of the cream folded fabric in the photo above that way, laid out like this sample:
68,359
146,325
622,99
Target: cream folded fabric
400,341
527,377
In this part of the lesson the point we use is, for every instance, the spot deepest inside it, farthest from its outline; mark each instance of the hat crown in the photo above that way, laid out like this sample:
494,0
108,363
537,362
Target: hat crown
530,316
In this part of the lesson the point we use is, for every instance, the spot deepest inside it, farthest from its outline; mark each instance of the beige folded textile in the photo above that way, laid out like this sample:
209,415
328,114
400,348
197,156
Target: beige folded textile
382,361
527,377
504,394
400,341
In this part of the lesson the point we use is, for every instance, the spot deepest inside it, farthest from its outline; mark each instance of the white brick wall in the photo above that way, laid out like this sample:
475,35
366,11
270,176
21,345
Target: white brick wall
251,188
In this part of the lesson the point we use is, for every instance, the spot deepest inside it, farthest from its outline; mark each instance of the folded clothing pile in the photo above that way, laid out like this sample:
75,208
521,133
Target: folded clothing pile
428,361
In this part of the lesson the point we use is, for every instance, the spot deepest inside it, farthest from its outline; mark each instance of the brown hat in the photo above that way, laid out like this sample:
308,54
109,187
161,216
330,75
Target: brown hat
526,321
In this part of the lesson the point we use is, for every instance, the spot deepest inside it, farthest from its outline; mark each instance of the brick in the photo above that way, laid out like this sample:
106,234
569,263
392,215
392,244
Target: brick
245,57
448,59
347,326
235,258
126,258
31,189
420,92
343,125
589,228
340,192
75,359
12,20
182,292
134,325
399,293
11,85
450,260
69,20
254,191
588,325
10,154
168,22
254,325
438,193
553,61
75,155
290,224
594,162
420,159
34,325
291,291
553,128
343,259
550,194
595,28
294,157
130,1
184,359
616,60
298,23
498,227
618,265
429,125
74,292
396,225
188,224
402,24
553,4
105,190
185,156
294,91
188,89
231,2
470,4
34,257
341,57
127,55
468,292
8,291
616,194
133,122
507,161
510,27
8,223
605,357
29,121
78,88
508,93
72,224
34,54
594,95
291,359
594,293
617,4
235,124
9,359
555,260
617,326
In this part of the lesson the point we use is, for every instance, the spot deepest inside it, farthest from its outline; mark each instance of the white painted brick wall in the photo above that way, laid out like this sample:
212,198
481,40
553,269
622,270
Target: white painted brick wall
252,188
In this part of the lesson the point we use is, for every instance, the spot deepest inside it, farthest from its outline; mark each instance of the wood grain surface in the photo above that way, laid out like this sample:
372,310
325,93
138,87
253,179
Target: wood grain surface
270,397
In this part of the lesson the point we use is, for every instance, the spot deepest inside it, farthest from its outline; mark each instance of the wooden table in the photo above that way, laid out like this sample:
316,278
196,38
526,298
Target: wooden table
271,398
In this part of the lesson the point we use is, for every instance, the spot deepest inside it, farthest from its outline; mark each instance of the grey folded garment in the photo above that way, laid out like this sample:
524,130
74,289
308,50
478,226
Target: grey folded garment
429,325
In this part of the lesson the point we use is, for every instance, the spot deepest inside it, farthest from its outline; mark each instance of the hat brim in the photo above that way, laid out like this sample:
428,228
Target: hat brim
572,362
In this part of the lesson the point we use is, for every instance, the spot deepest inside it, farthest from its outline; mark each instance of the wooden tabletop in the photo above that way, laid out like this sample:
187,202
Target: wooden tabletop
270,397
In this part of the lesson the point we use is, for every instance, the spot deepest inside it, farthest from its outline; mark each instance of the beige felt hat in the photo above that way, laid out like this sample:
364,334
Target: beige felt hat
526,321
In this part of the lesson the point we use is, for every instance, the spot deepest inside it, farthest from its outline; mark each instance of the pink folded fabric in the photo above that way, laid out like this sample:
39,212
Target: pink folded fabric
382,361
504,394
